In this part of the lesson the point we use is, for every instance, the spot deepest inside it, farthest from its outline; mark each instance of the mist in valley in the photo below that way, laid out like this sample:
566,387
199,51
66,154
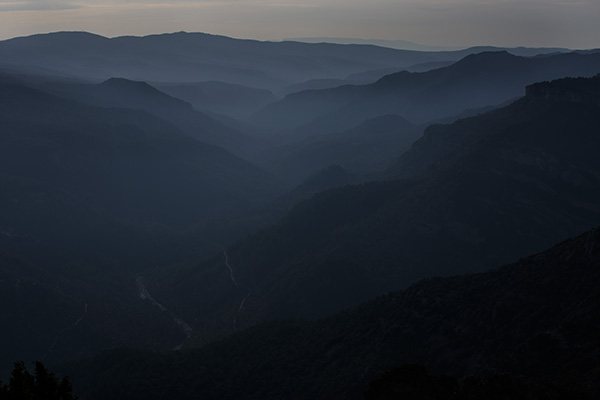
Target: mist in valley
193,215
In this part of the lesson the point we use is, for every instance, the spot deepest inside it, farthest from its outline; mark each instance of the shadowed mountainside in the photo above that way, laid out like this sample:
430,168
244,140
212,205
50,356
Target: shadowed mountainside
371,146
220,97
117,201
90,197
125,161
495,187
536,318
123,93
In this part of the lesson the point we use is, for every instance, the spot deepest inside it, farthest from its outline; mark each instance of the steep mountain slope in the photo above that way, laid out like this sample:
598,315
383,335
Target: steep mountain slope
91,197
368,147
197,57
127,162
220,97
67,276
78,309
536,318
478,80
319,84
444,145
509,183
375,75
123,93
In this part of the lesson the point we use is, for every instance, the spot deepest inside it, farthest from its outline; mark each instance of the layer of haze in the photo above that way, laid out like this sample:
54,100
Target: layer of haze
562,23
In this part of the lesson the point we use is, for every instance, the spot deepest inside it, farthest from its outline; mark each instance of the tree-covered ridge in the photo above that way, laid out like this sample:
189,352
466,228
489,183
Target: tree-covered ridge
41,385
536,318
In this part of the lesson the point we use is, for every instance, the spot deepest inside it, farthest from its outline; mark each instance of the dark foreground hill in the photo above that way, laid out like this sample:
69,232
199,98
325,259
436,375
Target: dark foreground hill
536,318
474,194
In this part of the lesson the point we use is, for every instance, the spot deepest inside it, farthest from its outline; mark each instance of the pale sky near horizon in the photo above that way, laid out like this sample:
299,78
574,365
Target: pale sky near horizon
548,23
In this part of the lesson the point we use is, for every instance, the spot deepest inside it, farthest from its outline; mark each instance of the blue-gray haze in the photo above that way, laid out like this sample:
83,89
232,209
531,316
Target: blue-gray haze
563,23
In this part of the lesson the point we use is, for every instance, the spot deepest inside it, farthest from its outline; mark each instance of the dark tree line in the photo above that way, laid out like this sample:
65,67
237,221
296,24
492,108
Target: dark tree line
412,382
42,385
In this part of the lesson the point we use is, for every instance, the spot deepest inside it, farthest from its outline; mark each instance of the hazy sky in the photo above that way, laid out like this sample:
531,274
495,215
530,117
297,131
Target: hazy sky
565,23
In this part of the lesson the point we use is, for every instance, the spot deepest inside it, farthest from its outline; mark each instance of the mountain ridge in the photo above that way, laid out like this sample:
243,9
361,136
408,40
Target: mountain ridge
248,62
128,94
533,318
475,193
477,80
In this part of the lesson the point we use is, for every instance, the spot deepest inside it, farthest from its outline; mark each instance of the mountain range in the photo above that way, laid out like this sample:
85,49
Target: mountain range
408,45
488,78
198,57
467,196
243,219
91,196
536,318
123,93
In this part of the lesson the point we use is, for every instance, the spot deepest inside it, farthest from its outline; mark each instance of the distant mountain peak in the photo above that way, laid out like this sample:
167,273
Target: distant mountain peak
63,37
140,88
128,83
480,61
394,44
72,34
394,76
488,56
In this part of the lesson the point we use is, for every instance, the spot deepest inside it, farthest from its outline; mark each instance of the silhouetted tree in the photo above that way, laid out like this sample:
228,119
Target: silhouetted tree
43,385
